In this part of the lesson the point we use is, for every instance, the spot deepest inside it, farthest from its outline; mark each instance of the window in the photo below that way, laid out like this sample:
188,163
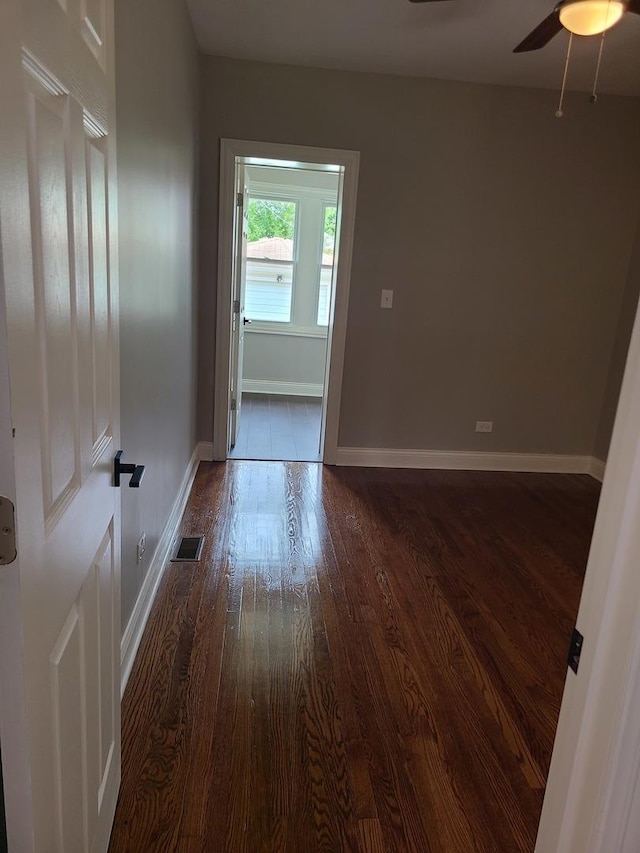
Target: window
326,264
291,232
271,227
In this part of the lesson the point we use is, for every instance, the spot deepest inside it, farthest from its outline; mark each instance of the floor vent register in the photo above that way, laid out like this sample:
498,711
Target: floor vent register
188,549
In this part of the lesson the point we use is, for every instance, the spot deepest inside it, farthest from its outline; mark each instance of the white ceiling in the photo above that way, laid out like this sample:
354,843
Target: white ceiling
453,40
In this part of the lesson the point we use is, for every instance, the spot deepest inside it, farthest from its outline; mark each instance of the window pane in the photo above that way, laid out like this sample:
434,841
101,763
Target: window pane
324,293
328,245
268,291
269,275
270,228
329,230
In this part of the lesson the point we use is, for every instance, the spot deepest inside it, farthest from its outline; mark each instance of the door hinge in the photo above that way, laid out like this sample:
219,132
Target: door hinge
236,306
240,199
234,404
8,551
575,649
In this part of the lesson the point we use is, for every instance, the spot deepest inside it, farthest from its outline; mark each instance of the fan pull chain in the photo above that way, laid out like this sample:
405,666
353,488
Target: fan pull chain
594,97
559,112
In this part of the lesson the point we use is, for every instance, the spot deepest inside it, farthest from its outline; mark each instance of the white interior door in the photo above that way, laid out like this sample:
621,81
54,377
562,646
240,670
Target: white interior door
59,601
238,320
590,796
332,313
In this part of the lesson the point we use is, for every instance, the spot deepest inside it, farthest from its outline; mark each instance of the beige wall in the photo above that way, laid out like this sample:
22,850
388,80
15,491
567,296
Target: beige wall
619,354
505,233
157,76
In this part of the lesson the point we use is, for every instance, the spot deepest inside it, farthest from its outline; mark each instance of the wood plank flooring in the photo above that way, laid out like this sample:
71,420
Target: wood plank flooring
277,427
364,660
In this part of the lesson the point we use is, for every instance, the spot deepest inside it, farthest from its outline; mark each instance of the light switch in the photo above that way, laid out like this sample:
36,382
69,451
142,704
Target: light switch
386,300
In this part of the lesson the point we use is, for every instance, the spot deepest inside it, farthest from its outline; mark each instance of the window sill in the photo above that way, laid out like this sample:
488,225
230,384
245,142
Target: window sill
257,328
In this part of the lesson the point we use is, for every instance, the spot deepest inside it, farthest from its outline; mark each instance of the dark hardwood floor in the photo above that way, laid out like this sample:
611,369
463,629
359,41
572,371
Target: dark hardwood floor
364,660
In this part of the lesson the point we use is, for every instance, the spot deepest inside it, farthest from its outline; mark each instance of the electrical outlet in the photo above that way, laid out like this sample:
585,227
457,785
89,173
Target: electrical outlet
386,299
142,547
484,426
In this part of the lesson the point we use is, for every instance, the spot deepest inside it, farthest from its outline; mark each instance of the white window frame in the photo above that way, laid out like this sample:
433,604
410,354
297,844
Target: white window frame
295,194
279,325
325,205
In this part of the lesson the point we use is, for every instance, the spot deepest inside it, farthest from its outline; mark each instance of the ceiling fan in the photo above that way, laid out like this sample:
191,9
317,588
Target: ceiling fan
581,17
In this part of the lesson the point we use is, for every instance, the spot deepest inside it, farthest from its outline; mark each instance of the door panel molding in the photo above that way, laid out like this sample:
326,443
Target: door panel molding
52,223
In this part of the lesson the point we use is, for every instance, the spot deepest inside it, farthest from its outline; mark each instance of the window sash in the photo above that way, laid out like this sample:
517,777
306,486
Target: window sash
324,295
325,275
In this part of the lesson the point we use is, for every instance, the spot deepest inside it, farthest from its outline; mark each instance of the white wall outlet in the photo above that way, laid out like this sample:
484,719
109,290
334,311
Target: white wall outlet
142,547
386,299
484,426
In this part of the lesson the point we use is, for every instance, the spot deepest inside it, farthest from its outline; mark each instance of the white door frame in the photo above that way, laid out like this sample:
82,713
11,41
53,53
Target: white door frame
594,776
337,331
13,729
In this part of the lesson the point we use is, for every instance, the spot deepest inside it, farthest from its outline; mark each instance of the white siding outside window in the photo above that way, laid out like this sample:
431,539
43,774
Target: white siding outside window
269,289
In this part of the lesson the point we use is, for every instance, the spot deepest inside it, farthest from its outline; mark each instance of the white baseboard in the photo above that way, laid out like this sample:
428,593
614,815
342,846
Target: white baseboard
463,460
204,451
135,627
456,460
596,468
292,389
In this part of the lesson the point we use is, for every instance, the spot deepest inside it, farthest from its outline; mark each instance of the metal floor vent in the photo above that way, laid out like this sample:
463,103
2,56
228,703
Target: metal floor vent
188,550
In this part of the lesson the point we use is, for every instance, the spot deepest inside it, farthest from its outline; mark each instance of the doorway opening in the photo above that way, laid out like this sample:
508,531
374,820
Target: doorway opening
283,295
286,231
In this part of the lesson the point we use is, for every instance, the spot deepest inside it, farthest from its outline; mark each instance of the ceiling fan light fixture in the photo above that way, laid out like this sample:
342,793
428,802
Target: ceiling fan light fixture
590,17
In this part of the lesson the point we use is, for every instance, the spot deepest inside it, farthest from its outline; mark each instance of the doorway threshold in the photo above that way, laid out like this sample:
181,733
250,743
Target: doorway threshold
276,427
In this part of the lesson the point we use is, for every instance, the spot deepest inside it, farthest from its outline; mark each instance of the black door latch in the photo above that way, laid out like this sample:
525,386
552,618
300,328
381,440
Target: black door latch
575,648
120,467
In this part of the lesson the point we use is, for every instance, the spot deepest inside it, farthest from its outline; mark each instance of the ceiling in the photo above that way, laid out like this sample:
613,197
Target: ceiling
470,40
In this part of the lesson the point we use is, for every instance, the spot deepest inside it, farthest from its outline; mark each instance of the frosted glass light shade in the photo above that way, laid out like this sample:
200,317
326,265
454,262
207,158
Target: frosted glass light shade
590,17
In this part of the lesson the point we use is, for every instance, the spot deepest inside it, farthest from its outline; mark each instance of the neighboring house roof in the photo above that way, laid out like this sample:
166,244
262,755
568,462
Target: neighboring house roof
271,248
277,249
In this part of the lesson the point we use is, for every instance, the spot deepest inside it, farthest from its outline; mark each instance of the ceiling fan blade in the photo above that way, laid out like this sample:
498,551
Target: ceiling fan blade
634,7
543,33
425,1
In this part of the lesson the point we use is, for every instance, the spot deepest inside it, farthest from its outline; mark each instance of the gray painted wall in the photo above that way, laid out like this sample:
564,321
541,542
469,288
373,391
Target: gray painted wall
157,80
619,354
284,358
505,233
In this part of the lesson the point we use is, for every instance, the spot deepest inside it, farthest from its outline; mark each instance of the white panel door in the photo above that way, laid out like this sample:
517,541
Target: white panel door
60,601
239,286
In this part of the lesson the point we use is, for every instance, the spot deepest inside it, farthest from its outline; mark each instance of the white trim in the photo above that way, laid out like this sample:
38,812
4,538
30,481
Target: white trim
291,389
38,72
339,309
597,468
262,327
205,451
138,619
93,128
465,460
295,154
